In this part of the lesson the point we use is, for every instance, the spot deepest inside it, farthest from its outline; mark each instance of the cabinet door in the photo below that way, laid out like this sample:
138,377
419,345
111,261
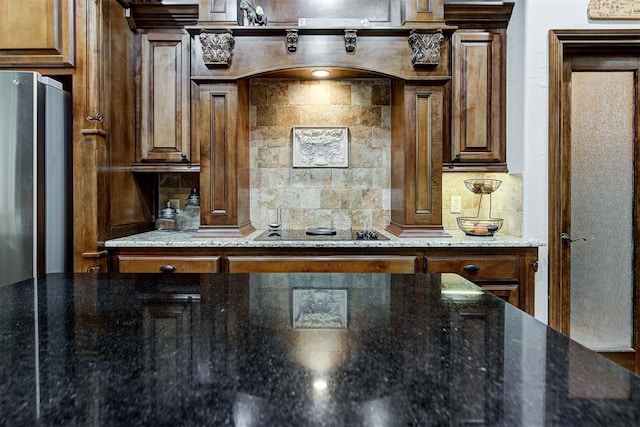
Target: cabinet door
222,116
36,33
479,122
164,99
416,159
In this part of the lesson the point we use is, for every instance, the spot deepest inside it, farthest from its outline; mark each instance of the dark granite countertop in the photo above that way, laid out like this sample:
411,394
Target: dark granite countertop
292,350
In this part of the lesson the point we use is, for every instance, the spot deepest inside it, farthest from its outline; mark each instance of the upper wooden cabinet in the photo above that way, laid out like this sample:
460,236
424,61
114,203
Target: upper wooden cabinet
36,33
164,134
479,50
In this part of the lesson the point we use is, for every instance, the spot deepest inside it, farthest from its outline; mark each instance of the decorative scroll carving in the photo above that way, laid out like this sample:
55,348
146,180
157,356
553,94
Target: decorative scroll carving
425,48
292,40
95,116
350,39
217,48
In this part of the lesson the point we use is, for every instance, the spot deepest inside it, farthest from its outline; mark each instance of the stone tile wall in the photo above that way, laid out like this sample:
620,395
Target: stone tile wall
357,197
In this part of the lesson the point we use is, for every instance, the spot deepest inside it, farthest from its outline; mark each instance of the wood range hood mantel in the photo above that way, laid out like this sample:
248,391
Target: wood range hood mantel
418,107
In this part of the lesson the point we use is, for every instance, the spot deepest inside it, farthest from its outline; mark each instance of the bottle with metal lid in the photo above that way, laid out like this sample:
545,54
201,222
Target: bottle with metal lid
167,219
191,212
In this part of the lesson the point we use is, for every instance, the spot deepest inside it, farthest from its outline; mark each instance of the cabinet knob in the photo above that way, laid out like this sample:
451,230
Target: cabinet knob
471,268
168,268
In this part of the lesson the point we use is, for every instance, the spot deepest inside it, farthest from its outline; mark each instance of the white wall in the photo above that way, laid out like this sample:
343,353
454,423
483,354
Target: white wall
527,109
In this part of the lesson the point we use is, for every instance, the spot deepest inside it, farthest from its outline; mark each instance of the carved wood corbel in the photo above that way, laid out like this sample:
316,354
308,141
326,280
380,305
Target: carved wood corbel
217,48
292,40
425,47
350,40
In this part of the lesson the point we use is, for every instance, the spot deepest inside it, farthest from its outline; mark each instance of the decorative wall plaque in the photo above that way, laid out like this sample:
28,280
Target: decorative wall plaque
319,309
614,9
320,147
217,48
425,47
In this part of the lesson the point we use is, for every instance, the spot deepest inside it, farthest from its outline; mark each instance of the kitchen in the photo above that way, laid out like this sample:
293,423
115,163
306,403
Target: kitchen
118,204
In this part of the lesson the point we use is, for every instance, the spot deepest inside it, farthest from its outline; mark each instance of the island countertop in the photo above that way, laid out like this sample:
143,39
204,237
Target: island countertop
164,239
292,349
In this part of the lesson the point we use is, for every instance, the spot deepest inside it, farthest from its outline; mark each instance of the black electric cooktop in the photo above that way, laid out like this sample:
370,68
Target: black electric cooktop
321,234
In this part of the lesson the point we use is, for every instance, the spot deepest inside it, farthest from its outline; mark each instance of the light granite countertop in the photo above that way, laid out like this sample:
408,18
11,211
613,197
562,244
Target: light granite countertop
163,239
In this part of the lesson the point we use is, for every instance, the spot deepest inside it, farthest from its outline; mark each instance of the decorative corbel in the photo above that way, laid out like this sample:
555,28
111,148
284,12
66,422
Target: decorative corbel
217,48
425,47
292,40
350,39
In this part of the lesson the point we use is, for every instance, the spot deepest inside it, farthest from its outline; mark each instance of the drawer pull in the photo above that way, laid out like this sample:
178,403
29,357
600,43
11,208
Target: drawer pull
168,268
471,268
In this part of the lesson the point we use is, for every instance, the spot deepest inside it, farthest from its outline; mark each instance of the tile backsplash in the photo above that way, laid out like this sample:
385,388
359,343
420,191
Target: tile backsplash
506,201
356,197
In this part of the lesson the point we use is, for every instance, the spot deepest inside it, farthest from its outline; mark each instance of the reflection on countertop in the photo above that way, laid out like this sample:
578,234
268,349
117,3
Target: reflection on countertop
292,349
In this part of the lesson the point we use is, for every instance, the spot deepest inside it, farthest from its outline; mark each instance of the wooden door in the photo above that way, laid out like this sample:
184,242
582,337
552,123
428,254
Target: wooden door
593,201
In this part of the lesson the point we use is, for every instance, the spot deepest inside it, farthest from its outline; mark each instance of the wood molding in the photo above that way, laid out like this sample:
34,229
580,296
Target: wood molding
479,15
158,15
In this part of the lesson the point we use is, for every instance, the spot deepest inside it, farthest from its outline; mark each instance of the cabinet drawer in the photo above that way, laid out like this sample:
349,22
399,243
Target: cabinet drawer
322,264
495,267
167,264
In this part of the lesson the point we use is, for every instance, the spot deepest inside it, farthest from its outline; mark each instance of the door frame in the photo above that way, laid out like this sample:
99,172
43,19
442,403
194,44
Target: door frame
561,42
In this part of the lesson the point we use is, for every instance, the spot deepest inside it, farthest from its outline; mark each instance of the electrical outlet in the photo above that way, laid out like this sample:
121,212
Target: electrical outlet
456,204
175,204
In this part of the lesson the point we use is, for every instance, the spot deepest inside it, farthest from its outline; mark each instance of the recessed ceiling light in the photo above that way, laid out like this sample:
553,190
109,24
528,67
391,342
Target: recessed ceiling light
320,73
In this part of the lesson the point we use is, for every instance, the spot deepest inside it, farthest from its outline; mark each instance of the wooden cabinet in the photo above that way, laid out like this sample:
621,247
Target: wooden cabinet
479,48
508,272
416,159
222,123
322,264
166,264
164,133
37,33
501,273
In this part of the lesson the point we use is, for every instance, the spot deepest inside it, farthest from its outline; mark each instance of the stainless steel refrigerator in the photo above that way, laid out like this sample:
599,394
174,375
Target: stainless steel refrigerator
34,161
